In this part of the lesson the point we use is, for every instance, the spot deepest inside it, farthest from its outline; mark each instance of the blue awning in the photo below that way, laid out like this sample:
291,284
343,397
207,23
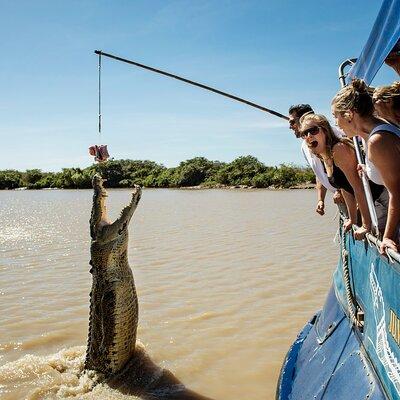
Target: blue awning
384,35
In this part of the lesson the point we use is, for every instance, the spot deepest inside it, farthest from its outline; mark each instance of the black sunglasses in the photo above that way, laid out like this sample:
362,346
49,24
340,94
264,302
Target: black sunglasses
313,131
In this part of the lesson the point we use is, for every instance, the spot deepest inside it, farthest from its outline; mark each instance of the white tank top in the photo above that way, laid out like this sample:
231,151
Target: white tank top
372,171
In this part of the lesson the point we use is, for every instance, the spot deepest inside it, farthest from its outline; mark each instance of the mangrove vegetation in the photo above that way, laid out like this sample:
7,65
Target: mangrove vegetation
246,171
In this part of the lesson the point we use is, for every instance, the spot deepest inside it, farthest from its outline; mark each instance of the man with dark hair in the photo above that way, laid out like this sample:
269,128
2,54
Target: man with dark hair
295,113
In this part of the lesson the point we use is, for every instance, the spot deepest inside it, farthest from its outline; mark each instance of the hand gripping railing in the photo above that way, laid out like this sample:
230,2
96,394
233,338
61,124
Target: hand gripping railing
391,254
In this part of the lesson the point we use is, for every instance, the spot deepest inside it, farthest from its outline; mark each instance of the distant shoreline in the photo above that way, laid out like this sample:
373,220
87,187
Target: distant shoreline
305,186
245,172
244,187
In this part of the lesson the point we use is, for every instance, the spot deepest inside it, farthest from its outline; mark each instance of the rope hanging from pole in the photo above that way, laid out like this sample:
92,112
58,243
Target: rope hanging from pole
99,151
100,97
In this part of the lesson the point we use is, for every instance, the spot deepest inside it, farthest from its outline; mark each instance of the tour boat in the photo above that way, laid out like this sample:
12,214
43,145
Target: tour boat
351,348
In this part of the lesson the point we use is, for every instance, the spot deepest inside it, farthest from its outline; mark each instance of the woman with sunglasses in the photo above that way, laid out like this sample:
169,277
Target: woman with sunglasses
386,101
353,109
340,162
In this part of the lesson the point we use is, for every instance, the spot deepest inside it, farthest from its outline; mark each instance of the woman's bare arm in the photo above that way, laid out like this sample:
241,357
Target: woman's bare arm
384,152
345,158
351,205
321,193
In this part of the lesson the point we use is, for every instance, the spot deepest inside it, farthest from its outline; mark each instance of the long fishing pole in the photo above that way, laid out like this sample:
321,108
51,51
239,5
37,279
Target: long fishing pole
158,71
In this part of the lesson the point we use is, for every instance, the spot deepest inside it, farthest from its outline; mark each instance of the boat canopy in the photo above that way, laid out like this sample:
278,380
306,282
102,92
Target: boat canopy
384,35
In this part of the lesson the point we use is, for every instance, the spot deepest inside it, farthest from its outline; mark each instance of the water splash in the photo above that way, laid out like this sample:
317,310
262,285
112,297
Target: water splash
62,376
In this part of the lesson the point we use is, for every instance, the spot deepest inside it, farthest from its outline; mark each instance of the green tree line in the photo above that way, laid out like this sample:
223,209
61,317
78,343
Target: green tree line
243,171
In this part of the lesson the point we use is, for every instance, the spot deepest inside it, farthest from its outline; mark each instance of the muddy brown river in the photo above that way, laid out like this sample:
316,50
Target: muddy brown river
225,279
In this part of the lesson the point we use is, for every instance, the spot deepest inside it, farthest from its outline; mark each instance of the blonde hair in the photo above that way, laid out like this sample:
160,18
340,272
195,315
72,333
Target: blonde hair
387,93
322,122
356,97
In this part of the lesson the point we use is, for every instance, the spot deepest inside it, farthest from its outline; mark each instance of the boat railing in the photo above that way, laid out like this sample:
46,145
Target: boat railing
373,241
342,75
354,307
391,254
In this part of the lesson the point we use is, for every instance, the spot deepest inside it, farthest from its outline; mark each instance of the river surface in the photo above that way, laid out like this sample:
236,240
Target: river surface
225,280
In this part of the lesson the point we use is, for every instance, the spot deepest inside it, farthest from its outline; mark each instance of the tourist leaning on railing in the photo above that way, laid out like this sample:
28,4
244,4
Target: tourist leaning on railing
340,162
386,101
296,112
354,112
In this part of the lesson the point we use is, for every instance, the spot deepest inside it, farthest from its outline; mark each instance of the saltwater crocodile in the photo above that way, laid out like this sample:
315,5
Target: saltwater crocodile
113,318
113,315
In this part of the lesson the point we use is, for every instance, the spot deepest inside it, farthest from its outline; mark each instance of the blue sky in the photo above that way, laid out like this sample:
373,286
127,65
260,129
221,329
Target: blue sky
275,53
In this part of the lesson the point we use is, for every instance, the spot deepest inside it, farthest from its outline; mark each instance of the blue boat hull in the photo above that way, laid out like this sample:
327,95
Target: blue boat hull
327,362
333,359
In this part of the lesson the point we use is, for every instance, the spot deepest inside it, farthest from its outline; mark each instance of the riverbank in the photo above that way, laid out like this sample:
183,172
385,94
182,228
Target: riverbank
201,187
243,172
308,185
